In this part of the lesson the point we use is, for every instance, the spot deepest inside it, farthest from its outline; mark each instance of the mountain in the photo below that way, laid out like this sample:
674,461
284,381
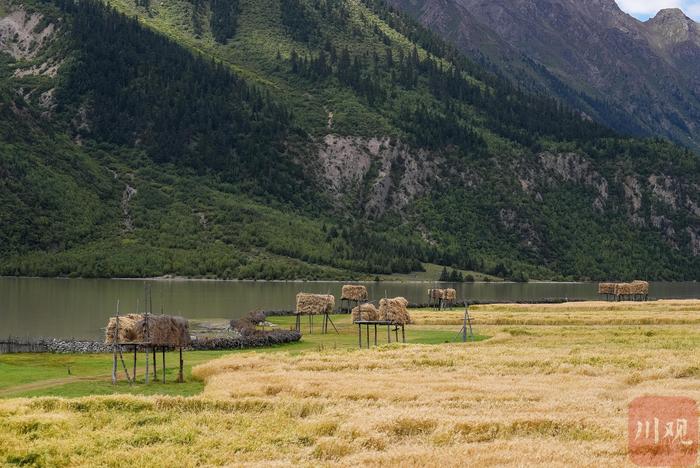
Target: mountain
312,139
639,78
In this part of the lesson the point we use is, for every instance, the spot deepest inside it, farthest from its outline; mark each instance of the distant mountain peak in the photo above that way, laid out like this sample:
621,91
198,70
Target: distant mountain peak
670,15
640,78
674,26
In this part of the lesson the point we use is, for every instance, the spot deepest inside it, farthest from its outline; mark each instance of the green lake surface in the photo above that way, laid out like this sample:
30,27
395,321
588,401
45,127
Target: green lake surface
79,308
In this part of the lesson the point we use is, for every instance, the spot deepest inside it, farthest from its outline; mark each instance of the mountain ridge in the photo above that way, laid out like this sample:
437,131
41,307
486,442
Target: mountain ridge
603,57
377,147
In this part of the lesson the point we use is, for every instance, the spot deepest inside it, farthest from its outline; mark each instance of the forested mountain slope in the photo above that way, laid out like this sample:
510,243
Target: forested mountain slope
315,139
640,78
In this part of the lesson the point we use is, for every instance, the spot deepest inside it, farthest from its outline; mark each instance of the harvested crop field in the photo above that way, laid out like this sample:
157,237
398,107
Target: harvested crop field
666,312
532,394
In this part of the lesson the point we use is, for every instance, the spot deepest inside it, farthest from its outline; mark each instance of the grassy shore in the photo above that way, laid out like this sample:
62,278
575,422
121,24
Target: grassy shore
74,375
551,386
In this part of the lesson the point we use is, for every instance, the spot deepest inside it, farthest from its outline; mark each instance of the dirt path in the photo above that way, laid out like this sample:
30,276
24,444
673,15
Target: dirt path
42,384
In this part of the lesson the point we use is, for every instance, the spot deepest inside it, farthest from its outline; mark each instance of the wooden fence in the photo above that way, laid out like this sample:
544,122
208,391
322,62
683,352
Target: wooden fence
22,345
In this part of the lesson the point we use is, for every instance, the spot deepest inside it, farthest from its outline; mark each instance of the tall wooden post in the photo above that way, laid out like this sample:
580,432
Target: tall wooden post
115,340
145,316
180,377
163,351
464,327
114,364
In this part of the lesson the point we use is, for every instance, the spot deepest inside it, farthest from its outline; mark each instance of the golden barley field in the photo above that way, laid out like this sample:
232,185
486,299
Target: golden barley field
573,313
533,394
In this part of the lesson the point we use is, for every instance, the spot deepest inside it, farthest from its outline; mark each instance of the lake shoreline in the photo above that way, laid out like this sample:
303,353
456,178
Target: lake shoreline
80,308
185,279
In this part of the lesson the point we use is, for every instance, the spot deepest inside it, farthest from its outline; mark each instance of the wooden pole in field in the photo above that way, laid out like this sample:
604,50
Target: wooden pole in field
118,348
147,333
180,377
163,351
114,348
126,371
136,346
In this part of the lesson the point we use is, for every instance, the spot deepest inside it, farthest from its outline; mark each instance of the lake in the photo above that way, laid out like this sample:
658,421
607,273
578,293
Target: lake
79,308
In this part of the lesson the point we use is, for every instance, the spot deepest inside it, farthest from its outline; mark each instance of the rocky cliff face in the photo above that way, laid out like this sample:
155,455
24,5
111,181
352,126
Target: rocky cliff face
639,78
371,177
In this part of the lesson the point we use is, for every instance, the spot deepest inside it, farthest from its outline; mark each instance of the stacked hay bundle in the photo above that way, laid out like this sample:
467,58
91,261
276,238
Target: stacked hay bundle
248,325
640,287
157,330
436,294
354,292
606,288
450,295
394,311
367,312
315,304
131,329
623,289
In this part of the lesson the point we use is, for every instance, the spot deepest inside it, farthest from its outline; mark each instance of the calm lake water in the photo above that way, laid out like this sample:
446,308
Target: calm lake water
79,308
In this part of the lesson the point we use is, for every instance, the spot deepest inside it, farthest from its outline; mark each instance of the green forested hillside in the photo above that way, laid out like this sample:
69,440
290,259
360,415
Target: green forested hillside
311,139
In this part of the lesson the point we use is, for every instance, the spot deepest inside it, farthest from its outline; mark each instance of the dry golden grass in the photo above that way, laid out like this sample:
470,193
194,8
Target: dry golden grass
531,395
665,312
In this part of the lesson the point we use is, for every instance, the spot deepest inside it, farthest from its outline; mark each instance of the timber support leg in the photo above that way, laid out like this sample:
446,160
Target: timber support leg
180,376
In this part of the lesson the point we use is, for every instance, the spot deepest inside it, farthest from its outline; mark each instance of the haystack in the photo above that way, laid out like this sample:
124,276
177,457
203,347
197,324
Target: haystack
450,295
354,292
606,288
640,287
623,289
366,312
436,294
394,311
315,304
156,330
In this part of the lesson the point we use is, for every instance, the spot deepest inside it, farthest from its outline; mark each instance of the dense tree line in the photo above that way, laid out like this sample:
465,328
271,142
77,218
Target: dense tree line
303,20
506,110
224,17
510,111
140,89
299,20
